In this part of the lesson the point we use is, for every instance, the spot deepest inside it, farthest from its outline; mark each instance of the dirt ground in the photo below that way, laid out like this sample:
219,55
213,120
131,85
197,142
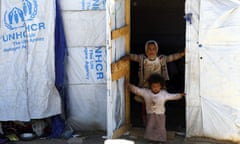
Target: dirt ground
135,135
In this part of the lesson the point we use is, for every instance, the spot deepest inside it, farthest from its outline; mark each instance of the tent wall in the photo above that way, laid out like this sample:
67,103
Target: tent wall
212,69
192,72
27,66
97,36
86,63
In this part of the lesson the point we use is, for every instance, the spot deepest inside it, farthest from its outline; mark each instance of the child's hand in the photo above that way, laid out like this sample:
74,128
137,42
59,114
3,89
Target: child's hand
183,53
126,57
127,84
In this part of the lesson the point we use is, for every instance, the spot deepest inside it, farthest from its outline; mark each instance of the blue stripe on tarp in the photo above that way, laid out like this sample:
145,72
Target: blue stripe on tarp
60,53
60,48
58,123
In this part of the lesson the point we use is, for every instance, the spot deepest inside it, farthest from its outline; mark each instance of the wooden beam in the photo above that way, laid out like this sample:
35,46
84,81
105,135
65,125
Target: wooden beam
127,102
127,12
120,32
120,131
127,48
120,68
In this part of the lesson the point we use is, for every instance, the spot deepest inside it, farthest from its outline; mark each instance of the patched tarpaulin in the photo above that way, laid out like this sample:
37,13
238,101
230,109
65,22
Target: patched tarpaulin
27,68
213,69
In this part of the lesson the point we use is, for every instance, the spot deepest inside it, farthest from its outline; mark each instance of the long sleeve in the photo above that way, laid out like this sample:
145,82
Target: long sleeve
136,90
134,57
175,56
174,96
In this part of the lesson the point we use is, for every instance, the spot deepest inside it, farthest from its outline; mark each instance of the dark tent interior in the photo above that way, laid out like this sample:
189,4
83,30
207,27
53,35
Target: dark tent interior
163,21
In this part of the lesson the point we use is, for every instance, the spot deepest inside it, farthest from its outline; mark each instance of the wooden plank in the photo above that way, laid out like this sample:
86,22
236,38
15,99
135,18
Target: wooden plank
127,12
120,68
120,131
127,48
127,95
127,101
120,32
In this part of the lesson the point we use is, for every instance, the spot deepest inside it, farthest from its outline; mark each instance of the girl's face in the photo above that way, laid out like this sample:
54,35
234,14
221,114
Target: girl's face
151,51
156,87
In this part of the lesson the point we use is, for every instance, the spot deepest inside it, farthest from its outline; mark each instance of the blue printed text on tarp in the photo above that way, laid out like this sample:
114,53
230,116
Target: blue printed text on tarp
21,29
94,63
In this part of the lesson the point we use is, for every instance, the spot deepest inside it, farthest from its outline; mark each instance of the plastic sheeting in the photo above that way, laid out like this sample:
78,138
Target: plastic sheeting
86,88
85,28
87,107
116,100
94,101
85,5
212,69
118,89
86,63
27,74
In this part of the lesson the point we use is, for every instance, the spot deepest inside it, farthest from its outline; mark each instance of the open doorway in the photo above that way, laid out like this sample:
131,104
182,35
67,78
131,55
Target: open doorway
163,21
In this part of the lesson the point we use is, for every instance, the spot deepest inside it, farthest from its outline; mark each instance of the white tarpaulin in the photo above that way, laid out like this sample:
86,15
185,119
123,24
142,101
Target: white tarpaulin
27,73
213,69
95,102
87,107
86,89
83,4
85,28
86,63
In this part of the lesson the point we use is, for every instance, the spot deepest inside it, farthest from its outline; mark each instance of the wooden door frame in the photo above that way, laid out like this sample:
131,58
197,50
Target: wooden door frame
121,68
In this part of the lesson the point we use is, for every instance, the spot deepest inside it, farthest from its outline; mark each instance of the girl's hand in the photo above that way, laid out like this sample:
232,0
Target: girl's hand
126,84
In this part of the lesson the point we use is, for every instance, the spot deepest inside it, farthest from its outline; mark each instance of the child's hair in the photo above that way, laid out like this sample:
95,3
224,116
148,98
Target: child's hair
156,78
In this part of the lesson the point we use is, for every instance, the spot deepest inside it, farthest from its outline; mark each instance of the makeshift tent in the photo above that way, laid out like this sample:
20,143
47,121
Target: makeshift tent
96,99
27,60
98,34
212,69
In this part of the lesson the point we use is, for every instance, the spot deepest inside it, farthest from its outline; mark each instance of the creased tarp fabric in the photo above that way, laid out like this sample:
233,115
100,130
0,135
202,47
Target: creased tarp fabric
27,68
213,69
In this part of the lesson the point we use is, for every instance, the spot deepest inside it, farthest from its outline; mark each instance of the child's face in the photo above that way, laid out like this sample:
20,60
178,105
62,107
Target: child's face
151,51
156,87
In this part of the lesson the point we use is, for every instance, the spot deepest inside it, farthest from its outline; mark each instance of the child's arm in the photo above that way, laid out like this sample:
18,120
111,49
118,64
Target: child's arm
175,56
134,89
183,94
132,57
176,96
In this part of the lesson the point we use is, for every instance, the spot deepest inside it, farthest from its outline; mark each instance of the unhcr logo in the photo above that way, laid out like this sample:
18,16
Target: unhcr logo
15,18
